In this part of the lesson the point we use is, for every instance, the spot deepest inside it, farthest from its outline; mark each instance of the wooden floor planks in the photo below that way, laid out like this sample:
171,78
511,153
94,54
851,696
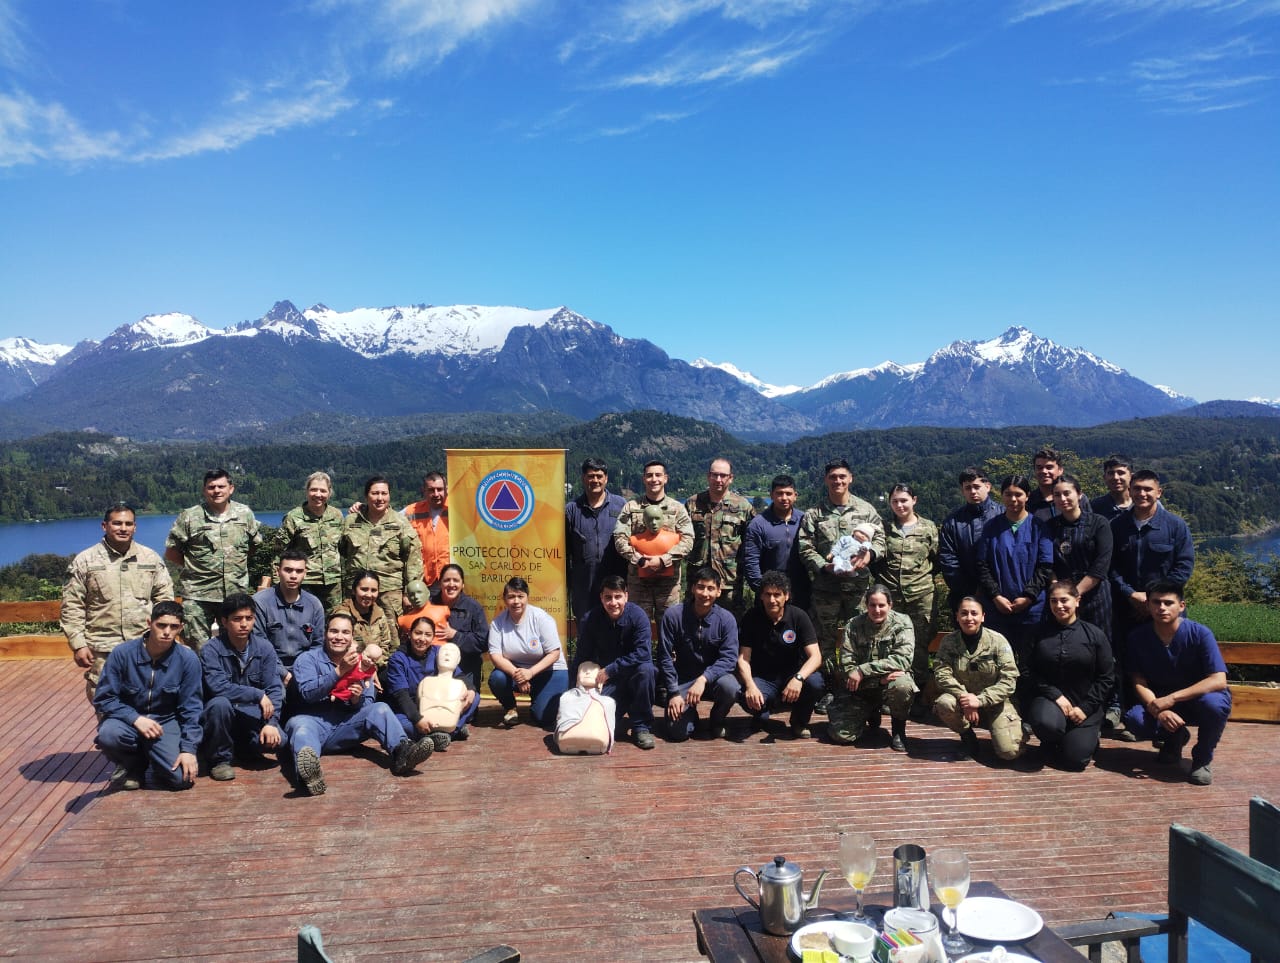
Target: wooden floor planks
498,840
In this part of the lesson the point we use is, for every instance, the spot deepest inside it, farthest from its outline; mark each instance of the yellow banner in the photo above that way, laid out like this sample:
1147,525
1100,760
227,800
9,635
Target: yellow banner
506,519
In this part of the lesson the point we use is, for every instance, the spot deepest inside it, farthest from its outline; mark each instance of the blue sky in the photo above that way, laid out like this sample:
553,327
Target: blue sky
796,187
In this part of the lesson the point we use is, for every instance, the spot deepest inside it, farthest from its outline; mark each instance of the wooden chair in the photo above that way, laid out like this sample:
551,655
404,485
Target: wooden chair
1230,894
311,950
1264,832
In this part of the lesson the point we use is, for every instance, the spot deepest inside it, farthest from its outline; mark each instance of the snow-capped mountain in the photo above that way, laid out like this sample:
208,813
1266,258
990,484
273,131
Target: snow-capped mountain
748,379
1016,378
172,376
25,363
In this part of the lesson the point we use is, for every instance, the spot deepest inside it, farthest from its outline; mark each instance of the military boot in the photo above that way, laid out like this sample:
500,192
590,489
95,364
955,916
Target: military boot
898,741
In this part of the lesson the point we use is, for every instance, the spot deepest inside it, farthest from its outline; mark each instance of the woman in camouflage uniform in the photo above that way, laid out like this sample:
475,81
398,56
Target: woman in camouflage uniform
370,625
976,673
907,567
871,671
314,528
375,538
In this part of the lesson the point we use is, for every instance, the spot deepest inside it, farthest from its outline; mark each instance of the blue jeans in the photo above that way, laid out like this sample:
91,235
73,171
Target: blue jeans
125,746
233,729
1208,713
374,720
545,690
468,714
721,702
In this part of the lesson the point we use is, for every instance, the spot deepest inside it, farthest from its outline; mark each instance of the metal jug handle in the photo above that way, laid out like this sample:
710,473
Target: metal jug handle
738,886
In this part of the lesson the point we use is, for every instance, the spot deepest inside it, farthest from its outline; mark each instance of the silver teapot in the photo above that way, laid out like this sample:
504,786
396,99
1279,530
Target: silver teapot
780,889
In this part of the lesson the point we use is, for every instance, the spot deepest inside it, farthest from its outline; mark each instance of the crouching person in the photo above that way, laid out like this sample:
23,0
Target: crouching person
871,672
976,674
242,690
321,723
149,705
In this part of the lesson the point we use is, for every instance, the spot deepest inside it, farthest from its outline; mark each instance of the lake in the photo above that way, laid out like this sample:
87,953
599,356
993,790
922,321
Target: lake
71,535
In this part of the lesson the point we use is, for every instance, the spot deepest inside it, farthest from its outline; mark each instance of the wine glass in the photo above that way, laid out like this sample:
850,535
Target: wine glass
858,864
949,871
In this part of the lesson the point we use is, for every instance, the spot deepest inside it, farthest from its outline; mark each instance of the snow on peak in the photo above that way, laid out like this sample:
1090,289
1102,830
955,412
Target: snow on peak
748,379
423,329
1020,346
1271,402
172,330
883,368
24,351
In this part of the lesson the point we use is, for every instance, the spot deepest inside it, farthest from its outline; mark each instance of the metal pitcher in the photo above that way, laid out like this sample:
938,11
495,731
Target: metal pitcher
780,889
910,877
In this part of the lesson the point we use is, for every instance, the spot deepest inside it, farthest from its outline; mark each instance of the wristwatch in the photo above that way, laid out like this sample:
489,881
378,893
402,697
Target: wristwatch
798,677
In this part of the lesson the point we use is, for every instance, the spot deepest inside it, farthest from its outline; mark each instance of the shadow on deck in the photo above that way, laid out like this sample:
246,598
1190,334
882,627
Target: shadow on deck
501,841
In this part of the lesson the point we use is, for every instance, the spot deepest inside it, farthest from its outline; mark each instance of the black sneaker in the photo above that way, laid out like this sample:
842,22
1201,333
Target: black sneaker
440,741
307,765
1171,752
462,733
823,704
125,779
643,738
406,756
222,772
968,745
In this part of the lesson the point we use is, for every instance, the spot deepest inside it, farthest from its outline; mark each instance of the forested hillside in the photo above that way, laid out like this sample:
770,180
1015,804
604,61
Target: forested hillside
1223,474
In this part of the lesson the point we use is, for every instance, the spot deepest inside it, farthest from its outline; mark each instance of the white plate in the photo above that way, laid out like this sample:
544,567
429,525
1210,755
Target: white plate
986,958
822,926
997,920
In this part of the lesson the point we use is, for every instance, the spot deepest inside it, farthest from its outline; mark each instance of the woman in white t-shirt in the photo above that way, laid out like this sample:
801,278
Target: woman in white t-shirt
524,645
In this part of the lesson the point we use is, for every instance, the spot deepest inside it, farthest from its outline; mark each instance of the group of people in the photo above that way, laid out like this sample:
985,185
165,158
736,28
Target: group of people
826,610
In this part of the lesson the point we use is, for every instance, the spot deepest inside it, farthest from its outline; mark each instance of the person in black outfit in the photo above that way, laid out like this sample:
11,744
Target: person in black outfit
1071,672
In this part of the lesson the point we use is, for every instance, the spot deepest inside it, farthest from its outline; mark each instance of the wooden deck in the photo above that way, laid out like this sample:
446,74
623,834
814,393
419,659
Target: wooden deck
499,840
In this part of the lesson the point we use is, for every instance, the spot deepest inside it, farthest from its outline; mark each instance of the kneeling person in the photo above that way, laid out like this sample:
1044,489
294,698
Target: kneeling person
778,658
243,693
1180,679
871,671
445,718
697,646
976,674
616,636
323,724
149,705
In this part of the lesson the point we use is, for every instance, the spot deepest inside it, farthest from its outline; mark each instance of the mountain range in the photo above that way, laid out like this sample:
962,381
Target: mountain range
168,376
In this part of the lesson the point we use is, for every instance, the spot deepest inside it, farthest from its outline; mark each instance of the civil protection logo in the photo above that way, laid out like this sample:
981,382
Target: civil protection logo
789,637
504,500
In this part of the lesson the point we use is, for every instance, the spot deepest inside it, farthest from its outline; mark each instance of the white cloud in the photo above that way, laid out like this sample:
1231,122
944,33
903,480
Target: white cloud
747,62
659,117
13,51
1238,9
415,33
32,131
253,118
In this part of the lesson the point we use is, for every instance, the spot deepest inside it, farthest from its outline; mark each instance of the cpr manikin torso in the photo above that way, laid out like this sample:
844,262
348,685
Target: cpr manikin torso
441,696
585,721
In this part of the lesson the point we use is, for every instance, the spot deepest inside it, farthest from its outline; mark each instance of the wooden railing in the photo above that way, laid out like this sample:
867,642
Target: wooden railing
1250,703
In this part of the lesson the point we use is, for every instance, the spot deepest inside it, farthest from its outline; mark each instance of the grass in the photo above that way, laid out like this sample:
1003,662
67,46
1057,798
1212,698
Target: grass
1238,621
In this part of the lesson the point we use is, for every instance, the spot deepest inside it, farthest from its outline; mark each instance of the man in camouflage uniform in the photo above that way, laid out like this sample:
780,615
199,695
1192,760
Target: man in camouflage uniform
720,518
211,544
977,675
110,590
653,595
836,597
314,529
870,672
